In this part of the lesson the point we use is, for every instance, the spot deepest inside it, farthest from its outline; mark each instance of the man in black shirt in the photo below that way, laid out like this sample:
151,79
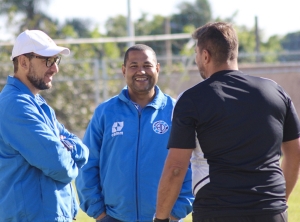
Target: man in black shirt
242,124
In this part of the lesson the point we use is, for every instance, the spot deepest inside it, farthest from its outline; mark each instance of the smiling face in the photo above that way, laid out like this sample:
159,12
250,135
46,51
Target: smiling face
141,73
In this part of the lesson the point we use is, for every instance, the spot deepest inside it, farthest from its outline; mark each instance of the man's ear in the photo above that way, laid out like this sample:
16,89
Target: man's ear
23,62
206,56
123,70
158,68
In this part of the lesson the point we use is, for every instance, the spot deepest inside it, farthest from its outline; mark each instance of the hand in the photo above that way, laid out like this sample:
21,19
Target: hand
67,144
62,137
101,216
174,218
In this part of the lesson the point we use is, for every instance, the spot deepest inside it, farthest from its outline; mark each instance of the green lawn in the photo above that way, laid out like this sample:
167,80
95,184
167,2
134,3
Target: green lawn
293,210
294,205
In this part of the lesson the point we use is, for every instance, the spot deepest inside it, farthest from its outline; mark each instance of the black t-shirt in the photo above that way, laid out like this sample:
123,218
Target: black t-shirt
240,122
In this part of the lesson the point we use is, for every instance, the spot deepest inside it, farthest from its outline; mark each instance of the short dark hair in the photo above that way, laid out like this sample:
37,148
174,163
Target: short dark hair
16,64
16,61
139,47
219,39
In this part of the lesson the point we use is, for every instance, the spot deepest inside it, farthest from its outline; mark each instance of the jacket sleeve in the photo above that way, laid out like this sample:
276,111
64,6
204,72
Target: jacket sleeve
88,182
79,151
26,131
183,205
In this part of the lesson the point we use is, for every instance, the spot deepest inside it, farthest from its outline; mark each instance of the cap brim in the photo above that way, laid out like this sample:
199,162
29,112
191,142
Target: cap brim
51,51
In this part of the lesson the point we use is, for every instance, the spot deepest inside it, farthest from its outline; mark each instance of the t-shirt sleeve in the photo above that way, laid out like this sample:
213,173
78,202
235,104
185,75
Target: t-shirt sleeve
183,124
291,123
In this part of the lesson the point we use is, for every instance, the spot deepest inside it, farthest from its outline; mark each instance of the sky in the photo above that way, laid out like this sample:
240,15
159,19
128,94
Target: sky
274,17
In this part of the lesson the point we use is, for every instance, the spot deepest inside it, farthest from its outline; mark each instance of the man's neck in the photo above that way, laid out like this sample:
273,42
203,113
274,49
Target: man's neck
25,81
142,99
226,66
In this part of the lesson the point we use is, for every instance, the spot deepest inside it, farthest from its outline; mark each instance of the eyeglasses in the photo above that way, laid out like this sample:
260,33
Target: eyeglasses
49,60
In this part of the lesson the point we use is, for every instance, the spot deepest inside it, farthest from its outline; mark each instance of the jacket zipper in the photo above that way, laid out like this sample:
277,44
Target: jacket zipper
136,167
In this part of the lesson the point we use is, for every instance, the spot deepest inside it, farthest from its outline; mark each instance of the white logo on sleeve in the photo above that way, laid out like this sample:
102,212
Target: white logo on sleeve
160,127
117,129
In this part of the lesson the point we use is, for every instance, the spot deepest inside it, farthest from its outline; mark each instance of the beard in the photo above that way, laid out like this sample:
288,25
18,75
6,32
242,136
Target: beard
202,74
36,81
201,68
202,71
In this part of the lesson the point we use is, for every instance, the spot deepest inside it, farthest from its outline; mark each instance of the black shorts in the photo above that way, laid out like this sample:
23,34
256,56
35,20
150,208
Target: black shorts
282,217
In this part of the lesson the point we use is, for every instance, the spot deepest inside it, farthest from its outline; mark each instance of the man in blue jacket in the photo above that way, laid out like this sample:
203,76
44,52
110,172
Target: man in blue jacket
38,157
127,138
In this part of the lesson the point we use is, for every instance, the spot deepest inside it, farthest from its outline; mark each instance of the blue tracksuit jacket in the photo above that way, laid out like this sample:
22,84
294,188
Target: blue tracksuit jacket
36,169
127,154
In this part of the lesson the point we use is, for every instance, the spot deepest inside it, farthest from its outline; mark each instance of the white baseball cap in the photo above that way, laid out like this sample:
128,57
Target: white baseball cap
37,42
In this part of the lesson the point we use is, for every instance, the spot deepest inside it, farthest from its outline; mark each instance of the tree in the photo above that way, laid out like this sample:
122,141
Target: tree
196,14
117,27
32,17
145,26
268,50
291,42
271,49
190,16
155,26
80,26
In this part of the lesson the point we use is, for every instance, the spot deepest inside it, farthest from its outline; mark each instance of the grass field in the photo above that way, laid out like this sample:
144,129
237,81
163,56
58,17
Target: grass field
293,210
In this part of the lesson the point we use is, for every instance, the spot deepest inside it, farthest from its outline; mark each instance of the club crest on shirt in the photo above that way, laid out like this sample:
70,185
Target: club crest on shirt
160,127
117,129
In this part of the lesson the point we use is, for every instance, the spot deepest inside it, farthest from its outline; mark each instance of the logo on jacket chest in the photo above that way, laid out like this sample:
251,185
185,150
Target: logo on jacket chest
117,129
160,127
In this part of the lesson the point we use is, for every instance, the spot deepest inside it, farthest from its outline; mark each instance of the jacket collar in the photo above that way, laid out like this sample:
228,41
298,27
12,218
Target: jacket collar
158,102
23,88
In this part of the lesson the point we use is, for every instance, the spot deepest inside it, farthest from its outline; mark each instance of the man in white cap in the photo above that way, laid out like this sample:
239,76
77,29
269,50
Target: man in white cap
38,157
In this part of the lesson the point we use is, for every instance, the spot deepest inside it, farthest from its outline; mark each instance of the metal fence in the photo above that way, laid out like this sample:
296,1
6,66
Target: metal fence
82,84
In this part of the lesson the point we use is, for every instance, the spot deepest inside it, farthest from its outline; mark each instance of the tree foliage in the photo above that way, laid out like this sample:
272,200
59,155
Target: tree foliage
196,14
291,42
249,51
155,25
30,13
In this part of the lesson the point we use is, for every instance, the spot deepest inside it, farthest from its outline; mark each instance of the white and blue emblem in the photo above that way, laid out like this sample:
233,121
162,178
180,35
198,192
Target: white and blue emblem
116,129
160,127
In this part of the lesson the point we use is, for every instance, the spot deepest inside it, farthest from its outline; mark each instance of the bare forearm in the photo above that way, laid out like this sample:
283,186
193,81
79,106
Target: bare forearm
168,190
290,164
290,172
170,184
